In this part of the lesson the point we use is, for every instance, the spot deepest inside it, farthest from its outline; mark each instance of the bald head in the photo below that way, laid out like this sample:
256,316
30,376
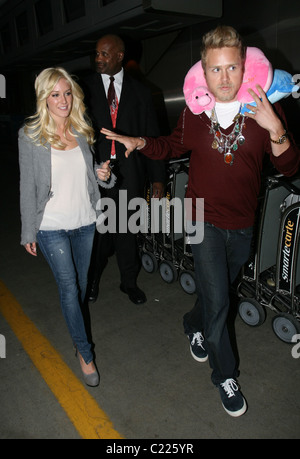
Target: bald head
115,40
109,54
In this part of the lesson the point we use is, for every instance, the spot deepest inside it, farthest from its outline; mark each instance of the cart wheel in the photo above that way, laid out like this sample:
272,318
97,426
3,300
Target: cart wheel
149,262
168,271
251,312
285,326
187,281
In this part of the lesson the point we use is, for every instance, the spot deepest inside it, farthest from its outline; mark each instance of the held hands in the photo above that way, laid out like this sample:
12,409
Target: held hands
130,143
104,171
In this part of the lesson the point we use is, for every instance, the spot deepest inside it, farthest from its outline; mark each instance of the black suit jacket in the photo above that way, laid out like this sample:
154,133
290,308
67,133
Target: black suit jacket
136,117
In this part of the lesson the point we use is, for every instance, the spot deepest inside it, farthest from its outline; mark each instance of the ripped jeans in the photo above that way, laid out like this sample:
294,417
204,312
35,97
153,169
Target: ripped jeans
68,253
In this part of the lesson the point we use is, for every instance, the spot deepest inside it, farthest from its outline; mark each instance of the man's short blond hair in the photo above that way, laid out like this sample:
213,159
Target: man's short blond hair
221,37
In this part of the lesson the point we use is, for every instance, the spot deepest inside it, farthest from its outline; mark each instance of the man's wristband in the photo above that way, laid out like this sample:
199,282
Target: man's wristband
281,139
145,143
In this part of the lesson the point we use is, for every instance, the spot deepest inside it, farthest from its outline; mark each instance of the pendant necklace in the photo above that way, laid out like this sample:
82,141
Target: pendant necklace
227,144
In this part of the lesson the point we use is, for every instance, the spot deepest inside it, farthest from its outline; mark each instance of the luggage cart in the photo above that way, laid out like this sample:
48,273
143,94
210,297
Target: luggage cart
166,249
271,278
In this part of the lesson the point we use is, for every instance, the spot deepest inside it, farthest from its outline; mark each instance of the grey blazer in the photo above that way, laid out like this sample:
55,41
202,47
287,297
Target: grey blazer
35,182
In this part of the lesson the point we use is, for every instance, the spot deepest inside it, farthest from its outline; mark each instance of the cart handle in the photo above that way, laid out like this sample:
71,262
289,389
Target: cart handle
281,180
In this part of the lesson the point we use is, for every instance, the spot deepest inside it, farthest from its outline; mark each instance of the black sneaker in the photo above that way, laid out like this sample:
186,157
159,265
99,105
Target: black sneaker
196,347
232,400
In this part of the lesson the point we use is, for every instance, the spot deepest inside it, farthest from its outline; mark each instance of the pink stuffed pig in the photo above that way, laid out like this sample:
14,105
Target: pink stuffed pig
197,96
200,99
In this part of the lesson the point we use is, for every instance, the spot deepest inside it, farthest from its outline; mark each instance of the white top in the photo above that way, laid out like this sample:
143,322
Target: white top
69,206
225,112
118,82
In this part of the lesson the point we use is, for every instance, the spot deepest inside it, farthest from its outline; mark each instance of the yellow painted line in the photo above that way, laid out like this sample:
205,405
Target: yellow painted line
82,409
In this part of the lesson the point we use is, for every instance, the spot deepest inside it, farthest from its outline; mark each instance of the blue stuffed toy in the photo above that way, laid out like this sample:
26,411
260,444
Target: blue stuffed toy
282,86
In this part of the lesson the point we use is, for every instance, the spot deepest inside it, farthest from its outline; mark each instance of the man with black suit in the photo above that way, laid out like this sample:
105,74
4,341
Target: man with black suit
125,105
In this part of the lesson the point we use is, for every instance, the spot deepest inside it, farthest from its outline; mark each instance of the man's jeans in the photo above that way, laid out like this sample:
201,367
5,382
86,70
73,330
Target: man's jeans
218,260
68,253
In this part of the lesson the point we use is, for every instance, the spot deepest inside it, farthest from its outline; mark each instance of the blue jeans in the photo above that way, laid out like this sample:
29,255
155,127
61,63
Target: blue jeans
218,260
68,254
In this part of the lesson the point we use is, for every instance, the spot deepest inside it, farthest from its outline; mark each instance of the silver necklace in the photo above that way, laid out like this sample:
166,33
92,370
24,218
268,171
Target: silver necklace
227,144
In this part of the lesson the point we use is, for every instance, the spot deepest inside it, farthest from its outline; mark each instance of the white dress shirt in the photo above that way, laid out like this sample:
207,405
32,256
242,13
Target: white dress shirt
118,83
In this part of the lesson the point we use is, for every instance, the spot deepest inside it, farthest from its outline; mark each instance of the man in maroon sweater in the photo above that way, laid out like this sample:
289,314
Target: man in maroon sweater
225,169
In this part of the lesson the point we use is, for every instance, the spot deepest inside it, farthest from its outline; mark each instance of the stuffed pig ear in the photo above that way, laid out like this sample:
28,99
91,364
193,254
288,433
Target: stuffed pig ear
258,70
194,88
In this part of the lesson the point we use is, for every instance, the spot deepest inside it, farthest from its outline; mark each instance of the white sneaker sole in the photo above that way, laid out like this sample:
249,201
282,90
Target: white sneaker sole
199,359
237,413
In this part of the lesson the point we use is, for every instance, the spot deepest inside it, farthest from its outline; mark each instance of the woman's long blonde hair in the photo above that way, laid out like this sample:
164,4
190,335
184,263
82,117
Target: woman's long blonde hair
41,127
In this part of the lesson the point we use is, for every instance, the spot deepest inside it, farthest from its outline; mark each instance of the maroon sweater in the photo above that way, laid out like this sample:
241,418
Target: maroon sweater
230,192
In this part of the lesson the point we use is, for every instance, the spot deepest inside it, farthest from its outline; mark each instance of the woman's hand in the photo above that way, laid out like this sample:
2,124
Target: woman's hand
131,143
31,248
104,171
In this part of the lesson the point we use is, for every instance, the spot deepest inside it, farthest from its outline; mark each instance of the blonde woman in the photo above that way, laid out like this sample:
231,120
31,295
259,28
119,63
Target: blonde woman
59,194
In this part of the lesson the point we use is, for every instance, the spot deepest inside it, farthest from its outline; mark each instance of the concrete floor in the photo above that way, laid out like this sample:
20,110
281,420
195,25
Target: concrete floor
151,388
